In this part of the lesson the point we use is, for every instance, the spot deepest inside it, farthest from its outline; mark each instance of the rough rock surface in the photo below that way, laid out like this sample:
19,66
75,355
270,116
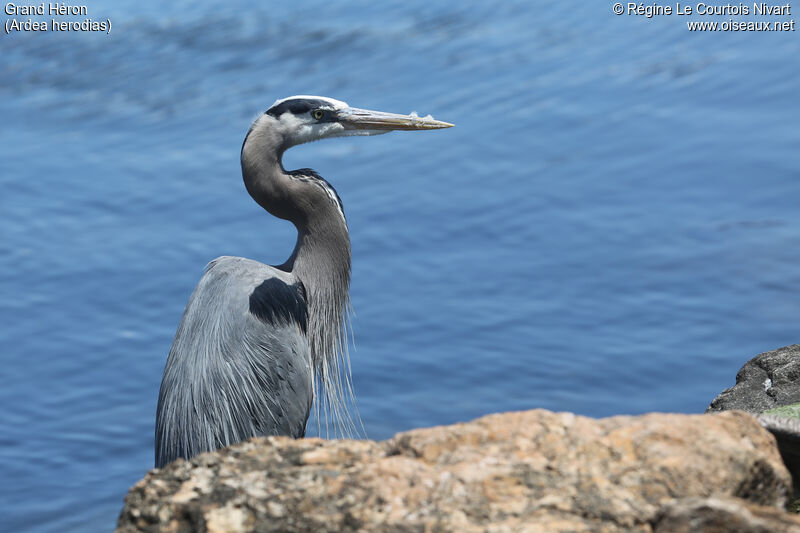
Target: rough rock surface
787,434
526,471
723,515
768,380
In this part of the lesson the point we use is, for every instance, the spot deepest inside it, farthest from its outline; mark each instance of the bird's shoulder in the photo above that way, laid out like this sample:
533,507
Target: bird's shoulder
270,294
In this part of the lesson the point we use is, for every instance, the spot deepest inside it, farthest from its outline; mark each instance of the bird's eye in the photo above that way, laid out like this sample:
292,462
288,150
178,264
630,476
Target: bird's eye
318,114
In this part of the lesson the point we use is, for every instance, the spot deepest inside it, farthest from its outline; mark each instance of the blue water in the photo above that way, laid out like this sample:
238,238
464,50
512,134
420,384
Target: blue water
611,227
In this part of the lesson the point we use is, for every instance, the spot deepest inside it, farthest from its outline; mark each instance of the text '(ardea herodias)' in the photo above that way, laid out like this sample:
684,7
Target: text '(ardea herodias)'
257,342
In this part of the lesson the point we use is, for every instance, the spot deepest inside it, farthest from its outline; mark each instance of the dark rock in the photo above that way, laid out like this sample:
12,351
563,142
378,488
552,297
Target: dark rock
768,380
787,434
527,471
719,515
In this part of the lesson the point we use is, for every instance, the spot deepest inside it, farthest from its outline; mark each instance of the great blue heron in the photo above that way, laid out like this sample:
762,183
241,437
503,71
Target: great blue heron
255,341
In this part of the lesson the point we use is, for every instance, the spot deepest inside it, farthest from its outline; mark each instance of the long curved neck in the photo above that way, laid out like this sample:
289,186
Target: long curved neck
321,257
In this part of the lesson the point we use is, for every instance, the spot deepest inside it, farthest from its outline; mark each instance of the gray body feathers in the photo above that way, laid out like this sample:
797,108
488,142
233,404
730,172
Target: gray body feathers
240,365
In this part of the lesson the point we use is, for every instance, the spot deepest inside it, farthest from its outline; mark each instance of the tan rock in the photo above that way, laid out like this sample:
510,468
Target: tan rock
693,515
526,471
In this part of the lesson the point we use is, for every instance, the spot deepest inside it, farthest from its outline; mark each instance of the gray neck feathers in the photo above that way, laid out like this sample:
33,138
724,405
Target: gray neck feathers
321,258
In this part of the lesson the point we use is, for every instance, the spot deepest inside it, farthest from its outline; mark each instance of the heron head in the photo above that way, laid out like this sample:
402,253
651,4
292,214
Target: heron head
306,118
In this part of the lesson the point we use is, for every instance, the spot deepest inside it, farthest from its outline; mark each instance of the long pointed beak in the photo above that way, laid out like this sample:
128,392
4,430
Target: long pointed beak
363,119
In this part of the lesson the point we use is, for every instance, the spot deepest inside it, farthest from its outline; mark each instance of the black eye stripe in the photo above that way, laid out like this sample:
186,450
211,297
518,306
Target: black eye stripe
297,106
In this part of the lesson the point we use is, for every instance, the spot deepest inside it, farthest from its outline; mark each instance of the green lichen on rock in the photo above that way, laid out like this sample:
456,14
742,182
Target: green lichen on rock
786,411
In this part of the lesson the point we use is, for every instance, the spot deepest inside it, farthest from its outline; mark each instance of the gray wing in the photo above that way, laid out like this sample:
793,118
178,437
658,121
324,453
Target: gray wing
240,365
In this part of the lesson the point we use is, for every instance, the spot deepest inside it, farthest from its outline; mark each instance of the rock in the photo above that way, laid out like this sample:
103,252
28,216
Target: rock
768,380
691,515
787,435
526,471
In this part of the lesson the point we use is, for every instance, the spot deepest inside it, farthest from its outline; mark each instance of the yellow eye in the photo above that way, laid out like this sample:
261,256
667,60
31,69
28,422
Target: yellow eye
318,114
